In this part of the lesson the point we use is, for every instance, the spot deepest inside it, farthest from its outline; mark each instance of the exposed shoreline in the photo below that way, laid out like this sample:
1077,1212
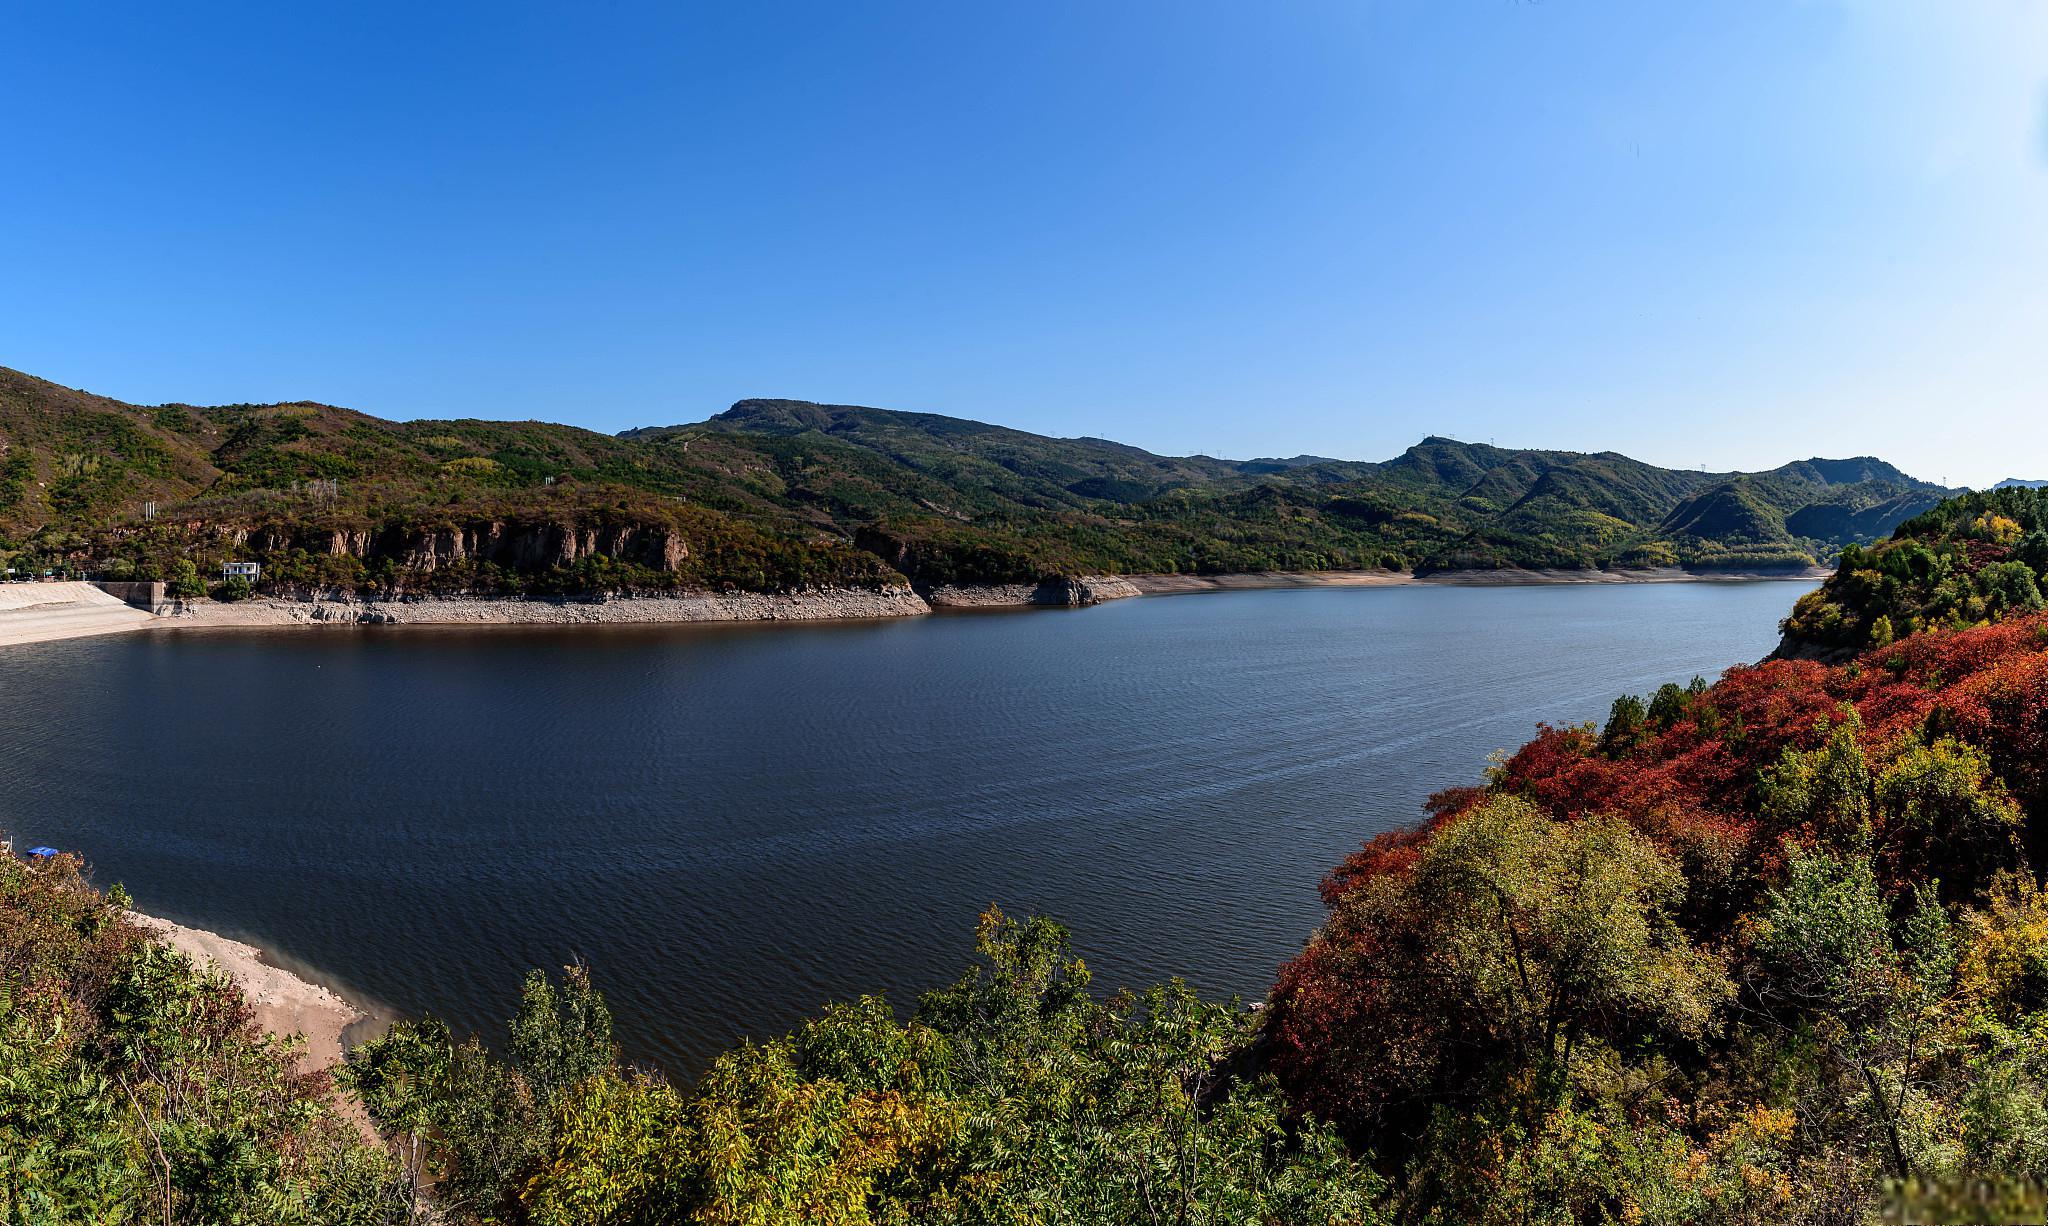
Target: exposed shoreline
33,622
1177,585
284,1004
833,604
1158,585
1656,574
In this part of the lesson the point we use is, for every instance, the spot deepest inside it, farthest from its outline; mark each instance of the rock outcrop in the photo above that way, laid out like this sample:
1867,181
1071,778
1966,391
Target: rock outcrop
1071,593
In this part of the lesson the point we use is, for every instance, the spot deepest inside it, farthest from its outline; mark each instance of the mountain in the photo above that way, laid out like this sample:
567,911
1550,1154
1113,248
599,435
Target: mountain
781,494
2016,483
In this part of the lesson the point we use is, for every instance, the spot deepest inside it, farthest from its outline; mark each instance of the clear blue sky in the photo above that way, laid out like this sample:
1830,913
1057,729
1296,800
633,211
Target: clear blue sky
1727,233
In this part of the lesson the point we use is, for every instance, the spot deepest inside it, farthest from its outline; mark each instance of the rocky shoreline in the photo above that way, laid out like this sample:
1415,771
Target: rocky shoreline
1175,585
1161,585
821,604
1647,574
1054,593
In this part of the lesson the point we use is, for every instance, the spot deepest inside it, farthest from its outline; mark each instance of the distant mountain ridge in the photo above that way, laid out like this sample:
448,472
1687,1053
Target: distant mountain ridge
774,494
2015,483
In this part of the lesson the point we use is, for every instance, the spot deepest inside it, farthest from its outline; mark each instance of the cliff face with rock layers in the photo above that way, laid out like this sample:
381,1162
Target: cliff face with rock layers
312,608
512,546
473,557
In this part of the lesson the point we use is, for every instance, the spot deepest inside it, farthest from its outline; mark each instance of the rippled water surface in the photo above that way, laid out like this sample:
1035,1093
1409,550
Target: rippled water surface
734,825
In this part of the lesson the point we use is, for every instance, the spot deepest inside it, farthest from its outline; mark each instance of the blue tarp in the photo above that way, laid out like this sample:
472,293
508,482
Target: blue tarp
42,851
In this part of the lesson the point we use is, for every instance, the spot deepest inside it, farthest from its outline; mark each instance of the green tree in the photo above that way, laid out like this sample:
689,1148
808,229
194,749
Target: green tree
1013,1096
561,1038
185,580
1669,705
620,1156
1940,808
459,1120
2033,550
135,1088
2009,587
1562,931
1627,723
1835,968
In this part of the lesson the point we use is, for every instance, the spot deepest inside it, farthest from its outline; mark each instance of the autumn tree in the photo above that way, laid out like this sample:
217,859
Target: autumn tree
1513,941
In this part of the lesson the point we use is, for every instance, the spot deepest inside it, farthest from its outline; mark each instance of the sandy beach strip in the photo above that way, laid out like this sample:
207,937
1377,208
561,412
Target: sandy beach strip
284,1003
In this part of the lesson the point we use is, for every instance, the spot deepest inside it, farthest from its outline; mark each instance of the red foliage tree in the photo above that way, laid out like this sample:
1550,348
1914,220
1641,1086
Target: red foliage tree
1692,788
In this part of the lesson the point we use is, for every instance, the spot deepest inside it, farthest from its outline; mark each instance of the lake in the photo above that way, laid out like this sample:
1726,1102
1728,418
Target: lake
734,825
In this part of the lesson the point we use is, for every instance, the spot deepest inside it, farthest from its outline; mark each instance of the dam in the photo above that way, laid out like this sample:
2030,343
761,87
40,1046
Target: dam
41,612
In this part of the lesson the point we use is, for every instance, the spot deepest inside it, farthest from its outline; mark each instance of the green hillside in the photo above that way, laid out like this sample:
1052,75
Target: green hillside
1979,558
781,494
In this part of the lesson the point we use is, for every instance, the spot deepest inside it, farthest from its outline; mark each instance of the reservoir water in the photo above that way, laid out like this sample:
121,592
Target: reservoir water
733,825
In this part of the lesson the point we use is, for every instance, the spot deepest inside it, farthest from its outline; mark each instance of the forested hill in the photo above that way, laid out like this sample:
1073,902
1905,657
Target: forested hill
1979,558
778,494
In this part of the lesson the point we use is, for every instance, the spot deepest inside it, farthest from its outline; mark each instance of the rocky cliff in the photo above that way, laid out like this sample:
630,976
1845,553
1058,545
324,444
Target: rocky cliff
521,547
1071,593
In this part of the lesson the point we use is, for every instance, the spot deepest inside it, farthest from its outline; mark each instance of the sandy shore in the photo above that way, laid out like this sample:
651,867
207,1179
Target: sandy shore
284,1003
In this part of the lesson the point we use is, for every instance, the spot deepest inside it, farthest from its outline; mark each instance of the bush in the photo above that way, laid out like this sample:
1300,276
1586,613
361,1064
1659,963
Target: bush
1013,1096
136,1088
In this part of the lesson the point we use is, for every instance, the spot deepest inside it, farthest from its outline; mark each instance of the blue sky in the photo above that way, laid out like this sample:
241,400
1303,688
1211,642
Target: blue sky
1730,234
